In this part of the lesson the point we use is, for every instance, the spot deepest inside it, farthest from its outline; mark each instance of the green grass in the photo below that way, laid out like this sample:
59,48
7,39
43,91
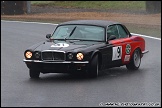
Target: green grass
133,5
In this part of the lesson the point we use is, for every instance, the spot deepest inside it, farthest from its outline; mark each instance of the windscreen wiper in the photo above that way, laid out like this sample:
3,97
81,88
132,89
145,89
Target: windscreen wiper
71,33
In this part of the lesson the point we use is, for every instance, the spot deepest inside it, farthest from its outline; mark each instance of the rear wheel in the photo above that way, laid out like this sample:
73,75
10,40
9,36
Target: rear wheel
34,74
135,61
94,67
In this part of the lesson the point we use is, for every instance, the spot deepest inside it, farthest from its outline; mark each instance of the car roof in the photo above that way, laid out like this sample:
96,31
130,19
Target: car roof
103,23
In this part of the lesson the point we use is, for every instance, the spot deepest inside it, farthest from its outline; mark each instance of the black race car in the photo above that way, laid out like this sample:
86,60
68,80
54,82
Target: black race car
87,46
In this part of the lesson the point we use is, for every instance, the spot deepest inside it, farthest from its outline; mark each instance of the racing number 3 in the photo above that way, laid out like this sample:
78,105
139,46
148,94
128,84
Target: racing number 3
117,53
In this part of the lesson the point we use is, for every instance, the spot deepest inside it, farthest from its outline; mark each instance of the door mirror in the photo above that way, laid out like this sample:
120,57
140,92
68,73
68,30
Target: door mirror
48,36
112,37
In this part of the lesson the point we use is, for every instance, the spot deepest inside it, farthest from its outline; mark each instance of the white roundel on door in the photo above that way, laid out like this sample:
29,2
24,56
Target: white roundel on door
60,45
116,53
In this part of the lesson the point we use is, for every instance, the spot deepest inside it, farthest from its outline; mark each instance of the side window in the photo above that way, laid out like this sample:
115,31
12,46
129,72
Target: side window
122,32
112,30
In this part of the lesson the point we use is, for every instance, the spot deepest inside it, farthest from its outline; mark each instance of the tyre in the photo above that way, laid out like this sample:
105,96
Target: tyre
94,67
34,74
135,61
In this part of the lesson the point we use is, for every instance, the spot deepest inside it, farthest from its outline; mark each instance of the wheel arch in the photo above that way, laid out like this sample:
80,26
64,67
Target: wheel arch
131,64
135,49
97,52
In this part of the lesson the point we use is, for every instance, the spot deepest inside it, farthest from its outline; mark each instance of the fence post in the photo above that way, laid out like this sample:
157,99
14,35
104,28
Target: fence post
28,6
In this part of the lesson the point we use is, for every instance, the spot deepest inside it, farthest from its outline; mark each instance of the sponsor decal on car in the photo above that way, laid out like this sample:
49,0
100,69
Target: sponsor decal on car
128,49
127,58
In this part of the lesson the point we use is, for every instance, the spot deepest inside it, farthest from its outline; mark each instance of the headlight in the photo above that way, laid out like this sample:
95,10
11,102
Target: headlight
70,56
28,54
37,55
80,56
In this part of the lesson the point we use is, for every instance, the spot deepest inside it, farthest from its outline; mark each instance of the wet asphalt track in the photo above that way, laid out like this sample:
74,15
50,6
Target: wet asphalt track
114,85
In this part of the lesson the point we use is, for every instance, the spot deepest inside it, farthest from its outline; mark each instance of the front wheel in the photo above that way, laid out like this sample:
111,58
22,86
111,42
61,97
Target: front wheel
94,67
135,61
34,74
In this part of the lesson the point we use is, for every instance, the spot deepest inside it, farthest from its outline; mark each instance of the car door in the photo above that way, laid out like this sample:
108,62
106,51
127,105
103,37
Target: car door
117,51
121,46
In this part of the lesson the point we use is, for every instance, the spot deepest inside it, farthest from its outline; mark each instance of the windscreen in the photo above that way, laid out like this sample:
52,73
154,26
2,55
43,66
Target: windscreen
80,32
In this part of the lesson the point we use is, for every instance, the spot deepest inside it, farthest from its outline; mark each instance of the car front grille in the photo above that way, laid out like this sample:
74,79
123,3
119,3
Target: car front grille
53,56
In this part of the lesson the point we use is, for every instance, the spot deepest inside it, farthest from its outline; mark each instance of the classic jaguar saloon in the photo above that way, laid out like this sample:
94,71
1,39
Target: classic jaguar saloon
87,46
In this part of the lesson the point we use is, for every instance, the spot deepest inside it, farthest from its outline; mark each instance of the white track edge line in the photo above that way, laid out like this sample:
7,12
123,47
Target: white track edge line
29,22
146,36
57,24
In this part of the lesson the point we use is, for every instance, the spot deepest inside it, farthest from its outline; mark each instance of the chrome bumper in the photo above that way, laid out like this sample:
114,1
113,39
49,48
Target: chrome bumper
144,52
38,61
